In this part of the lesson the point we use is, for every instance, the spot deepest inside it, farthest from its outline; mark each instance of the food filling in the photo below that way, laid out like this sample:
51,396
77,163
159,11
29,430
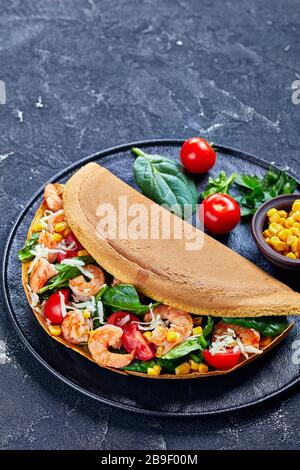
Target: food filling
120,328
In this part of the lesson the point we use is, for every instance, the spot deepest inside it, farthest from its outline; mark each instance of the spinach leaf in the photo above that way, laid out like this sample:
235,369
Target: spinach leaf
143,366
165,182
186,347
267,326
220,184
24,253
65,273
199,343
125,297
208,327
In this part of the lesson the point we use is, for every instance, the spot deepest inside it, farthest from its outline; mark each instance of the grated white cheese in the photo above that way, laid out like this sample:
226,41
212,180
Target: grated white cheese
88,305
62,304
231,340
125,320
153,323
62,245
77,263
100,311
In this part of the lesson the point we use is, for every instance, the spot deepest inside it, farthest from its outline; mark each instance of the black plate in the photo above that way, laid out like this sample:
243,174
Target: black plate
256,382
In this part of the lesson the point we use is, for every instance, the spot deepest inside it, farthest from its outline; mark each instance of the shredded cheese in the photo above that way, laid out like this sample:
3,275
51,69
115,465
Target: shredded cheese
153,323
77,263
125,320
62,304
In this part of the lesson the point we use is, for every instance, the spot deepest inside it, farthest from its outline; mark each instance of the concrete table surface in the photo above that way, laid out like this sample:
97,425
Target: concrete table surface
84,75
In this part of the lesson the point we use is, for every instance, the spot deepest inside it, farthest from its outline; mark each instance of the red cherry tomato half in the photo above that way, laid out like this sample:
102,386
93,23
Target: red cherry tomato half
118,318
53,306
222,361
197,156
72,239
70,253
221,213
133,340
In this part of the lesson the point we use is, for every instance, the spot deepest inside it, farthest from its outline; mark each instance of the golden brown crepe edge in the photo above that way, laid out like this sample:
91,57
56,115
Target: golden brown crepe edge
83,351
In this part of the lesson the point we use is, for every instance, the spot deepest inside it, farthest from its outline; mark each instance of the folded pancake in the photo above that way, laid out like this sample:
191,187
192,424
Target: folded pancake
163,269
213,280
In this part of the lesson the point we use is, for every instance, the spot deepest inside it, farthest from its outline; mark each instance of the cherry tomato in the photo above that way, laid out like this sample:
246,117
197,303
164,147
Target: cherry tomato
221,213
222,361
53,306
70,253
133,340
197,156
72,239
117,318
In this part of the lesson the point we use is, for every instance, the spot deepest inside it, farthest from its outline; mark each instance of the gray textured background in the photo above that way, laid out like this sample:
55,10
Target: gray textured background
109,72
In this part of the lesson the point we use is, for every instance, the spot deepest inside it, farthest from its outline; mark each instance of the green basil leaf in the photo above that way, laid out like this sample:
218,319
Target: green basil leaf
125,297
24,254
267,326
165,182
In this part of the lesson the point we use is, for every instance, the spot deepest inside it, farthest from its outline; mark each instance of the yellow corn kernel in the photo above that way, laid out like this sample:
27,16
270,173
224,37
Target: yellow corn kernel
268,241
283,234
55,330
154,371
289,222
281,221
265,341
37,227
271,212
60,227
197,330
267,233
291,239
83,253
197,321
57,237
159,351
147,335
66,232
291,255
173,336
295,246
295,231
274,218
183,369
296,205
296,225
296,216
202,368
193,365
274,240
283,214
279,246
275,228
86,313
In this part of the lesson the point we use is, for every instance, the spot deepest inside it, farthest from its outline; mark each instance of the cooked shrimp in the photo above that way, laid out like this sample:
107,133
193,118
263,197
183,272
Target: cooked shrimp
40,274
101,339
46,239
180,323
83,289
75,327
248,336
58,216
53,200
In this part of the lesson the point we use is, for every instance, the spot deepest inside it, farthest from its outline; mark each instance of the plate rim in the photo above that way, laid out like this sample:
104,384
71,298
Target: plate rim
98,155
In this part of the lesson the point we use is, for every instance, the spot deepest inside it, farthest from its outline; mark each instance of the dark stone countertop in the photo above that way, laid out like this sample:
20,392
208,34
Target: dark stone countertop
113,72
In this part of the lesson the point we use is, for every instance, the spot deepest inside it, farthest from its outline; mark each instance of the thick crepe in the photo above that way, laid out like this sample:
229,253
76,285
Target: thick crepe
84,351
211,281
